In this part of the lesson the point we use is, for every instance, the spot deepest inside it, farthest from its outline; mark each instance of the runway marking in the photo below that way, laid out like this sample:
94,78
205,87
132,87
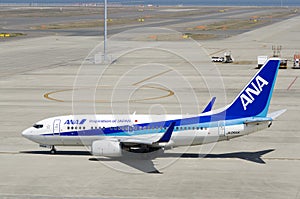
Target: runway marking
292,83
169,92
217,52
151,77
297,159
9,152
53,92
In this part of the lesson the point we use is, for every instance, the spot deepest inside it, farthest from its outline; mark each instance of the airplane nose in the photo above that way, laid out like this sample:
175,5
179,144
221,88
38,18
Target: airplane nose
26,133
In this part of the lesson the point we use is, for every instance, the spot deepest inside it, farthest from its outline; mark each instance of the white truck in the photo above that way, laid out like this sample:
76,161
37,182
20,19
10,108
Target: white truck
261,60
296,60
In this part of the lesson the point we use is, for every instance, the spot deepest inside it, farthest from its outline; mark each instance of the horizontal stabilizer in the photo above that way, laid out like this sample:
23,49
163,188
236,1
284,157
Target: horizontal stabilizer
257,120
276,114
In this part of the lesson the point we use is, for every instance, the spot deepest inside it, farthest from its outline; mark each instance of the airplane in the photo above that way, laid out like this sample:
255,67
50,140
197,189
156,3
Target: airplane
114,135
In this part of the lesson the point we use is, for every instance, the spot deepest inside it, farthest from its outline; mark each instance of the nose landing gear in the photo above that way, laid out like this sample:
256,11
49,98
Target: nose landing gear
53,150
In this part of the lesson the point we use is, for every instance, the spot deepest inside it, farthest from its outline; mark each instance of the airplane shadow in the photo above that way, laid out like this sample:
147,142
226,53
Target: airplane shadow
249,156
145,164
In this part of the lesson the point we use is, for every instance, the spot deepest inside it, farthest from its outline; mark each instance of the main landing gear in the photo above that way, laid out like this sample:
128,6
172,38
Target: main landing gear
53,150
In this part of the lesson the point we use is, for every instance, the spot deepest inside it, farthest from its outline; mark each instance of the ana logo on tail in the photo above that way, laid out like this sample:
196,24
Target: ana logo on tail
257,86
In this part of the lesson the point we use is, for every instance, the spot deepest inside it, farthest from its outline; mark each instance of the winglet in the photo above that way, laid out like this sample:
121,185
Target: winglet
209,105
167,135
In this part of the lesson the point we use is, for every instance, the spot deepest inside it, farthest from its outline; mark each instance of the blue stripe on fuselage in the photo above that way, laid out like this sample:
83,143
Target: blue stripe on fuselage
161,128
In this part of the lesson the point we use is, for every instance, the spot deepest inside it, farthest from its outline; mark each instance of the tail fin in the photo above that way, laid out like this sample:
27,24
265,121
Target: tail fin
254,99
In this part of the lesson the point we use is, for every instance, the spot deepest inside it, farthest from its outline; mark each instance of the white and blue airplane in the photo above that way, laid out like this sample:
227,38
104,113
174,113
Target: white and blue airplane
113,135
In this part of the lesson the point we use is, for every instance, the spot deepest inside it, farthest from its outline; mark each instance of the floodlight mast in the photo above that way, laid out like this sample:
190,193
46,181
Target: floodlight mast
105,31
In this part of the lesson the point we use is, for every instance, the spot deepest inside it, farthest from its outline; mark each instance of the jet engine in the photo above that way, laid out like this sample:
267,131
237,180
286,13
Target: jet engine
106,148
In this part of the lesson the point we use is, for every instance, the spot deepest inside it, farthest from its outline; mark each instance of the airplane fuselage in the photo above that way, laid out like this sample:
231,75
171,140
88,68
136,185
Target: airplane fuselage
85,129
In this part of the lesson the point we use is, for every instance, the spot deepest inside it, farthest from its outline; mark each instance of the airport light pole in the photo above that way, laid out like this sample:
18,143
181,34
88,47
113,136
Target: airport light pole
105,31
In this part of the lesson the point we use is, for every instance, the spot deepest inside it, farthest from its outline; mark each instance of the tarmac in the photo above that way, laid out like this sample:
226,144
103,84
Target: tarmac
175,77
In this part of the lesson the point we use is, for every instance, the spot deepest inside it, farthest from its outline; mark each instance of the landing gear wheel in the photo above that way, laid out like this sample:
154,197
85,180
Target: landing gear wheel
53,150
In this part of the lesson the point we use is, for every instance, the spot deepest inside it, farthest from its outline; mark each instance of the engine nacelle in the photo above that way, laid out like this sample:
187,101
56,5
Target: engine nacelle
106,148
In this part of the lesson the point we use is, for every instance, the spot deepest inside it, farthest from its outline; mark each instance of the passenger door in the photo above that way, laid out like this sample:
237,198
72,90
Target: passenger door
221,128
56,127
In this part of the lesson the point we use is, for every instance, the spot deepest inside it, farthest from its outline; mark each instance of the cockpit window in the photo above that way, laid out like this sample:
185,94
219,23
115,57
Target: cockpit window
38,126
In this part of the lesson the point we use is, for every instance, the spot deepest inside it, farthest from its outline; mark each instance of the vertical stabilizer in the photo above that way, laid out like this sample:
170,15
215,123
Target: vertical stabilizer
254,99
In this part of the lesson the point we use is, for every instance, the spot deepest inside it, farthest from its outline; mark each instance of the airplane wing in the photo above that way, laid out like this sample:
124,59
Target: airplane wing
118,147
165,138
209,105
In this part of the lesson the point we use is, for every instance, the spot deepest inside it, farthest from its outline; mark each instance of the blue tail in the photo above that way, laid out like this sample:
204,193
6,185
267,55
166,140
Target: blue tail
254,99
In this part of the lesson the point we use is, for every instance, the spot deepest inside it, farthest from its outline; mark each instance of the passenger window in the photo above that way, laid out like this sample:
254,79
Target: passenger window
75,127
91,127
68,127
83,127
72,127
80,127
